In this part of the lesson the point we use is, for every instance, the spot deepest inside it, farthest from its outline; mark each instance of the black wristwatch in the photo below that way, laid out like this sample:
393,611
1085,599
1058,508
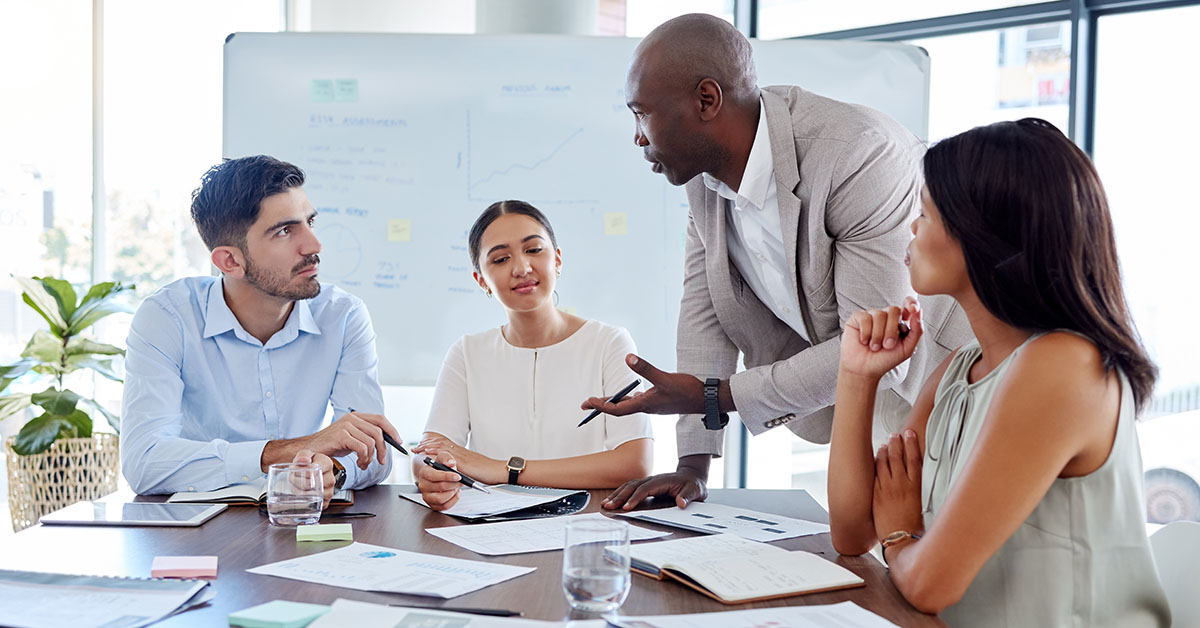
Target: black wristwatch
339,475
714,419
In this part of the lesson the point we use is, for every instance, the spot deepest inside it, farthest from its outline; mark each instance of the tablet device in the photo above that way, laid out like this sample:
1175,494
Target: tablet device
133,514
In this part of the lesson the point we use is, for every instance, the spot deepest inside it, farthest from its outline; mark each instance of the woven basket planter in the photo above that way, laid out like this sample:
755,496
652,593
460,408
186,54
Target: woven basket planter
72,470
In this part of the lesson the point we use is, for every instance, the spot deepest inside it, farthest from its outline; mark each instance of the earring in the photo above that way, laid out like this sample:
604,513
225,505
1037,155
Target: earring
487,292
558,271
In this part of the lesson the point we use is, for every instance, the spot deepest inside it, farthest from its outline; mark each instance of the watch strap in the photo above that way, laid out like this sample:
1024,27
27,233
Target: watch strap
714,419
339,475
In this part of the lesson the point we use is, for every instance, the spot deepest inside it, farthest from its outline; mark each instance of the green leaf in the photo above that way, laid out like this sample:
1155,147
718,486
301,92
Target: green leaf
101,291
12,404
79,345
80,423
60,402
44,347
38,434
87,316
113,420
63,293
103,367
43,303
11,372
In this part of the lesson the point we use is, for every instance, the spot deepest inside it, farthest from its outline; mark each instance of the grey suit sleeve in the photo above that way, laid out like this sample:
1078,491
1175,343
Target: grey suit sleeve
874,189
702,347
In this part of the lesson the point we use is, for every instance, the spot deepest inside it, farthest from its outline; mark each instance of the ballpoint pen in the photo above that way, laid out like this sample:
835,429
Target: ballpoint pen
613,399
462,477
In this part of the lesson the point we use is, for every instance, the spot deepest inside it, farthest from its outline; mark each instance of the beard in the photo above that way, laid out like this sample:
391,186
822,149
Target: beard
279,284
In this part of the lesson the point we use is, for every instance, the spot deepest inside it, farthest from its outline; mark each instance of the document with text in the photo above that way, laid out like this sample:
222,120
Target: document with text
373,568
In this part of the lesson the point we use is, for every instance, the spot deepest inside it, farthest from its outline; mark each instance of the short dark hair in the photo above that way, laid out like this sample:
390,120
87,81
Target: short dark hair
231,193
496,210
1027,207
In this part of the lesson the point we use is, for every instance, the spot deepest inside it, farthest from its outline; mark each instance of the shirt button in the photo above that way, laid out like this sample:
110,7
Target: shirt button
268,394
787,310
244,478
192,489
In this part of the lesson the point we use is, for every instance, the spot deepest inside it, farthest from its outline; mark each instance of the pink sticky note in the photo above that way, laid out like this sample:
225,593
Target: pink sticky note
184,567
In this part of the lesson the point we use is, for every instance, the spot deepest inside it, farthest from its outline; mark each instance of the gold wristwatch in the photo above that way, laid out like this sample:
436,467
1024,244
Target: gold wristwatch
515,465
894,538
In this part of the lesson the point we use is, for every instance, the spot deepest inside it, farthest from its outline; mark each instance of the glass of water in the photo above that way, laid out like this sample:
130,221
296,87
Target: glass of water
596,564
294,494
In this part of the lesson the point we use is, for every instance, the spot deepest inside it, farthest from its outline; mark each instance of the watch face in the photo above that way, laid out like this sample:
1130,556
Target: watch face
516,463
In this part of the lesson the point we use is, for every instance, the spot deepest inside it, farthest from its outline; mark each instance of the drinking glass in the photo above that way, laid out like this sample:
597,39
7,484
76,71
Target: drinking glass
294,494
596,564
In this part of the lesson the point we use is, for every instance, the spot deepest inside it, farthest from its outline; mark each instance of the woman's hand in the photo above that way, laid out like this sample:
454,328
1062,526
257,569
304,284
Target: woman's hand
872,344
474,464
897,501
438,488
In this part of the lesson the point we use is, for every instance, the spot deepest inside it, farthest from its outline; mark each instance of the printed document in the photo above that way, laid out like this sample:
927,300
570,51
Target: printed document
841,615
47,600
366,567
524,535
344,613
504,499
721,519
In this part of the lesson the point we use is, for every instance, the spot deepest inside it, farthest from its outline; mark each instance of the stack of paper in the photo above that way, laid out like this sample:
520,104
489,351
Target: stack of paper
45,600
523,536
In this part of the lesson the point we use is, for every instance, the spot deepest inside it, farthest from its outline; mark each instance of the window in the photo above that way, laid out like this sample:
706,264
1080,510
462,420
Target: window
643,16
1145,151
988,76
795,18
162,127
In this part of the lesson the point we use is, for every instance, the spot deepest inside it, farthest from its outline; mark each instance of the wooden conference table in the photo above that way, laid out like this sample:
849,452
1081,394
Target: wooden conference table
242,538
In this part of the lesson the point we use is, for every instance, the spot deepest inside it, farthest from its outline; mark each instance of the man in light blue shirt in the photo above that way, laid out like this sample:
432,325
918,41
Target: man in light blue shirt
228,375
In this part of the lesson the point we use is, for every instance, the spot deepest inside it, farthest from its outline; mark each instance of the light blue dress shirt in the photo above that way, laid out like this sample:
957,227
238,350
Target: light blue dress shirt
203,396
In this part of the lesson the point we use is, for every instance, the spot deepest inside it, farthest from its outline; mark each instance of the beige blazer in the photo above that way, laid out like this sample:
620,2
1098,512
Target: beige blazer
848,180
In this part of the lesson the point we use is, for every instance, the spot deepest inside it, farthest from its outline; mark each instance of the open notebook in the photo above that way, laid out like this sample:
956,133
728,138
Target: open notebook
509,501
247,494
734,570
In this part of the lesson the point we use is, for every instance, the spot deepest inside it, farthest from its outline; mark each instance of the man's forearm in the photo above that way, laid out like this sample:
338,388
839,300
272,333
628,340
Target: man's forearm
695,464
283,450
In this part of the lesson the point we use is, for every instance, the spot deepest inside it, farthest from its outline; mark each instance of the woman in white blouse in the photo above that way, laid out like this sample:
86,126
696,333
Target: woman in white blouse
506,406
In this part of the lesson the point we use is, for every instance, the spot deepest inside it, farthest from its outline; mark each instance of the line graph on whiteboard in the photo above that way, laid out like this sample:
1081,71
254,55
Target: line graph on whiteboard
525,161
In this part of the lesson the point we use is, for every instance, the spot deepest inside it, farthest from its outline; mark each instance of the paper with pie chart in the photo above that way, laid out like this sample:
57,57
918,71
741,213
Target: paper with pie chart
365,567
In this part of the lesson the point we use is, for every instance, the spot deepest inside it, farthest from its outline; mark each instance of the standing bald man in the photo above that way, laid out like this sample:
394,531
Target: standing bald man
800,212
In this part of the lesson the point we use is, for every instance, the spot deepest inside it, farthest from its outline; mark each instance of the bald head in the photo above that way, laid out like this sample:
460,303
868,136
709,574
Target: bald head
681,52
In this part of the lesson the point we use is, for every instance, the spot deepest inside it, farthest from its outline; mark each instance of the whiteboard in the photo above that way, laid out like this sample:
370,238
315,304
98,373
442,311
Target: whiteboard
405,139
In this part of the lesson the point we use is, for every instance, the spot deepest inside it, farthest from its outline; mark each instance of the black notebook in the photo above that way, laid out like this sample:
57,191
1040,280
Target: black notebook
509,501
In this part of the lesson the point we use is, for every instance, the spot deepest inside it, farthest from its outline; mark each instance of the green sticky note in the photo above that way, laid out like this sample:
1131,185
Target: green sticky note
277,614
325,532
322,90
345,90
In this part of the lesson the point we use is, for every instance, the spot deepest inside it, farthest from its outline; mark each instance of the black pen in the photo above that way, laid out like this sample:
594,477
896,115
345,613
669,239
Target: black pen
462,477
613,399
494,612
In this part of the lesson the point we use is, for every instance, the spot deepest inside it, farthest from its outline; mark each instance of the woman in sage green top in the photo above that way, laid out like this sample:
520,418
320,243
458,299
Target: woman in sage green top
1013,496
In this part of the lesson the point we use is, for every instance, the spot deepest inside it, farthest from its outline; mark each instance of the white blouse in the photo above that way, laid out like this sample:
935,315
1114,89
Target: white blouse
503,401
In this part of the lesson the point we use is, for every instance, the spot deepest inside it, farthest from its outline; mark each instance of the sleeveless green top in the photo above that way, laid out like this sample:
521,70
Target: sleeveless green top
1082,557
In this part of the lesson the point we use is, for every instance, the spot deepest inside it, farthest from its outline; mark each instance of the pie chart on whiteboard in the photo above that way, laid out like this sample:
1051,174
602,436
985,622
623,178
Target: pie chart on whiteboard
341,252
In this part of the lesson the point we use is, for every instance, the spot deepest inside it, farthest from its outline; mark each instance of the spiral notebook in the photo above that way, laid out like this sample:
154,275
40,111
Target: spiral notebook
509,501
50,600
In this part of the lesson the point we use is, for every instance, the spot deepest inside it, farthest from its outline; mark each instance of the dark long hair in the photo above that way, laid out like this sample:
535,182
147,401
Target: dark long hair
1030,213
496,210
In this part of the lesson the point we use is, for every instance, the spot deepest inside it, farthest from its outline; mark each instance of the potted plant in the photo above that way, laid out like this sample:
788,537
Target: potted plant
56,459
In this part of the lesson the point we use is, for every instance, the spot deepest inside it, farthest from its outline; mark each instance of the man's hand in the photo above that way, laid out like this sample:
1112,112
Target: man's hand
439,488
673,393
686,485
356,432
305,456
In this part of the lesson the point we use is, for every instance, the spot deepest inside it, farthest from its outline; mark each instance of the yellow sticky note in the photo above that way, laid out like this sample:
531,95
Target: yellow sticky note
325,532
399,230
615,223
